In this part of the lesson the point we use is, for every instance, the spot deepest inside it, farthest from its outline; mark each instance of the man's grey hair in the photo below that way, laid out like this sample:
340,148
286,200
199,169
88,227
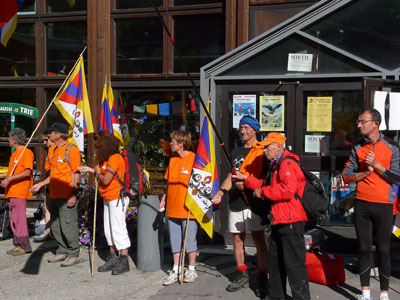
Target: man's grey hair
64,136
18,134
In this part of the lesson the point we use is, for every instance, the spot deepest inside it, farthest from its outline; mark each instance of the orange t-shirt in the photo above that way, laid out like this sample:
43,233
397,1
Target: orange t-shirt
47,164
178,176
61,173
111,191
20,188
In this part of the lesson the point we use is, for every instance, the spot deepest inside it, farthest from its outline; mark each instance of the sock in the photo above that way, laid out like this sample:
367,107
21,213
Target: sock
367,293
175,269
384,295
262,271
242,268
191,268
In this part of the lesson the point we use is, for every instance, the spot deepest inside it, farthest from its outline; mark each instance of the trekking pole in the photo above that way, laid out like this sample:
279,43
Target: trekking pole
94,224
184,248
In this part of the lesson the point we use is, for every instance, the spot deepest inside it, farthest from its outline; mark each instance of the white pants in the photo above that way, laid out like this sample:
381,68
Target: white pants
115,224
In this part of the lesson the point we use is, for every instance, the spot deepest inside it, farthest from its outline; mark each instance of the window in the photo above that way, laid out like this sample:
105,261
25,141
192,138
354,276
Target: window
66,5
274,60
139,46
18,58
23,96
122,4
65,41
198,44
147,129
346,105
356,25
193,2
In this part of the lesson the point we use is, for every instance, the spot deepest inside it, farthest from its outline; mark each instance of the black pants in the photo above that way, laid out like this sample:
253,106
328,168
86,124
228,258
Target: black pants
287,258
376,218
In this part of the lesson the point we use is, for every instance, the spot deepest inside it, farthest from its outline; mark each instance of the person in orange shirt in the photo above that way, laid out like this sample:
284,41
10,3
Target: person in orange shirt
110,173
178,176
64,179
17,183
45,235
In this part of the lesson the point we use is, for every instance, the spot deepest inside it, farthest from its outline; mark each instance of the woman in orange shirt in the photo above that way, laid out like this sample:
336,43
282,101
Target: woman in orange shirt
111,167
178,176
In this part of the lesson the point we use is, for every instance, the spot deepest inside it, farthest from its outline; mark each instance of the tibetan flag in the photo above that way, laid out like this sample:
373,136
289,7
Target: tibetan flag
124,123
114,115
8,19
73,103
203,182
105,113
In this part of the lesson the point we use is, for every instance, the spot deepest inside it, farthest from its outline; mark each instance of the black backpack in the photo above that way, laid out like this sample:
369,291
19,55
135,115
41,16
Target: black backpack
5,227
314,200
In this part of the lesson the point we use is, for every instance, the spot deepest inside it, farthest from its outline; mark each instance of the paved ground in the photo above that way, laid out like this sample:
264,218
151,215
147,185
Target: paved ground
31,277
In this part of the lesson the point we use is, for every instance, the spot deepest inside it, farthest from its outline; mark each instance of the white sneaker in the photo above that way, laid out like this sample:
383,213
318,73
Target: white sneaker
361,297
384,297
190,276
172,278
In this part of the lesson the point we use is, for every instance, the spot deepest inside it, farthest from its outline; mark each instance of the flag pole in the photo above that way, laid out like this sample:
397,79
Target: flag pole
194,87
184,248
44,114
94,224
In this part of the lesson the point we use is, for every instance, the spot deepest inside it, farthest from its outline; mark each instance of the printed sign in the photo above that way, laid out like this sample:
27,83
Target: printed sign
300,62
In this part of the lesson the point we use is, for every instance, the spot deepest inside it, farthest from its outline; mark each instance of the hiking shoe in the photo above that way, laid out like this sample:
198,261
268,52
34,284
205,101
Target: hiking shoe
361,297
44,236
122,265
70,261
57,258
10,252
240,280
111,262
19,252
190,276
172,278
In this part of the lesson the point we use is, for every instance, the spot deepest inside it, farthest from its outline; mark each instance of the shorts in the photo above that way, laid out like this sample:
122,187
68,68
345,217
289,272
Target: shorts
176,229
244,221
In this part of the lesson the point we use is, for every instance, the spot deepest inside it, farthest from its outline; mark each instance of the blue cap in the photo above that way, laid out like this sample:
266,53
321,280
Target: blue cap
251,121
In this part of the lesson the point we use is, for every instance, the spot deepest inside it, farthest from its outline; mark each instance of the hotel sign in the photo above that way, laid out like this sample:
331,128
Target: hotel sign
19,109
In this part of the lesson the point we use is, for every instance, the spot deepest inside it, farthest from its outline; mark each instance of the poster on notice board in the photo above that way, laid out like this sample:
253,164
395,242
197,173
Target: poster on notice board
272,113
319,114
243,105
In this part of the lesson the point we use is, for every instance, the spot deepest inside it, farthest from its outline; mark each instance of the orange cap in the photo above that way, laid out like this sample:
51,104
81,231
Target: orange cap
273,137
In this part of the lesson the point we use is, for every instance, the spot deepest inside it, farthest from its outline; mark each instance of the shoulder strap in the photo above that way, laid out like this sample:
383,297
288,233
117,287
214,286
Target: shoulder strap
278,164
67,155
67,159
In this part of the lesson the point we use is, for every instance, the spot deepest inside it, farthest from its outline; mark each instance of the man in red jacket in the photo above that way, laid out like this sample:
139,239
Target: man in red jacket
287,254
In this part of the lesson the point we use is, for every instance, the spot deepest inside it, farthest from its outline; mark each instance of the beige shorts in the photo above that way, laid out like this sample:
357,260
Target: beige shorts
244,221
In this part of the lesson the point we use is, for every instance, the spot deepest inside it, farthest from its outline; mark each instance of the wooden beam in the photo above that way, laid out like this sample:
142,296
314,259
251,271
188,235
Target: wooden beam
243,22
230,25
98,62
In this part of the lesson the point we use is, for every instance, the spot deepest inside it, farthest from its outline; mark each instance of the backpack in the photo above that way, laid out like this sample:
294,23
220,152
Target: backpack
5,227
133,176
314,200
